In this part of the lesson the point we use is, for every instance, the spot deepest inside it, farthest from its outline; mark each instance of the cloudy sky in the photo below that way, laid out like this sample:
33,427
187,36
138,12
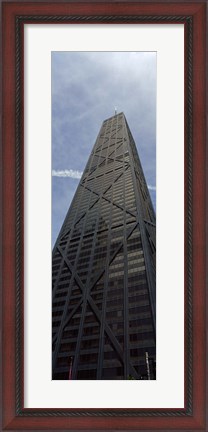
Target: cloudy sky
86,86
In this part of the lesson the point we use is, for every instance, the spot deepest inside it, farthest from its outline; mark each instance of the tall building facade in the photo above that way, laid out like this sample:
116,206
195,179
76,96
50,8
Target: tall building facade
104,268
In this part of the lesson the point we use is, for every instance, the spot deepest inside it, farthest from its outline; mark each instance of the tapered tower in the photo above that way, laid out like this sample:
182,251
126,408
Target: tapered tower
104,268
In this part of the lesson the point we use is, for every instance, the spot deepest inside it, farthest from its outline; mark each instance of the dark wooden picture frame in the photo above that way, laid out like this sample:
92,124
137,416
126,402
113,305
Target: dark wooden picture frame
193,415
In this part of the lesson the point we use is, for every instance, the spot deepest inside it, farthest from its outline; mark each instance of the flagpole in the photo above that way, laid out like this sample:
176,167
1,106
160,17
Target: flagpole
70,368
147,363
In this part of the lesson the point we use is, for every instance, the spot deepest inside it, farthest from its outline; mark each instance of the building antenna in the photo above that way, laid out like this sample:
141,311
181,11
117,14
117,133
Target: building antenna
115,110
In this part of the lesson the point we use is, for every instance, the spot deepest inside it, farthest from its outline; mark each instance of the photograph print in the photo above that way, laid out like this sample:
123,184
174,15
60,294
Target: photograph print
103,215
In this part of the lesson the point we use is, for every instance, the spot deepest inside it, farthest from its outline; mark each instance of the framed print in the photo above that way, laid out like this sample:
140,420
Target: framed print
84,361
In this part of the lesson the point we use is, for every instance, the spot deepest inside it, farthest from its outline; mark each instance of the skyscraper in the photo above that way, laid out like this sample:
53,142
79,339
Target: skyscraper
104,268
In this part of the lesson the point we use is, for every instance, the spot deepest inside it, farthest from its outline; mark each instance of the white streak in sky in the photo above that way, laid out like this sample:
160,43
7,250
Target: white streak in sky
78,174
67,173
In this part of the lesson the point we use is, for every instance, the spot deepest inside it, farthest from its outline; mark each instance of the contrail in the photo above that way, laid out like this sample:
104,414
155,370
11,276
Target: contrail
67,173
78,174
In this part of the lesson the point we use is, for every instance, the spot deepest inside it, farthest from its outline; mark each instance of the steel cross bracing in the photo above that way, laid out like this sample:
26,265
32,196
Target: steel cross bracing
94,308
94,169
68,242
108,331
102,271
137,221
101,195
